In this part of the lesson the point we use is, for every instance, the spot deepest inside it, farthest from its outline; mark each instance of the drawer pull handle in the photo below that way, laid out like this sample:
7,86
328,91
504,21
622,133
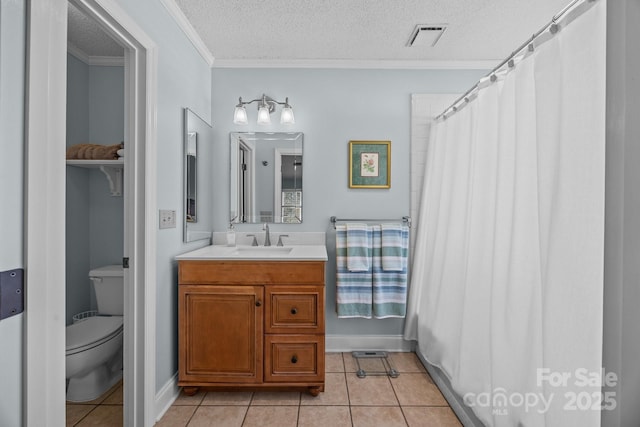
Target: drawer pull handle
294,359
294,310
258,303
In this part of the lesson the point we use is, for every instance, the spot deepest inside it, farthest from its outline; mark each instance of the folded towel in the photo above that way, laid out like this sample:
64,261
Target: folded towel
389,287
358,247
394,246
94,151
120,152
353,289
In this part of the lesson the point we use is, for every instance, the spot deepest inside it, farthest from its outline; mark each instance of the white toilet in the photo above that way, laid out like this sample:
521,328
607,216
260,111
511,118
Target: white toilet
94,345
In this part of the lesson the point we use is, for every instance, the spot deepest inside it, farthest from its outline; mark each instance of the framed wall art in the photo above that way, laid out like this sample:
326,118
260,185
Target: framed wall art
369,164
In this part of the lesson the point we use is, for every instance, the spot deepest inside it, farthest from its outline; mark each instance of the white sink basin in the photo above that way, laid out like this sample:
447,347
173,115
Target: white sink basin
262,251
271,253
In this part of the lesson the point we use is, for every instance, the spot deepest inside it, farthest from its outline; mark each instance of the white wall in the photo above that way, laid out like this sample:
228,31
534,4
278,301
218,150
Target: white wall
12,59
621,343
332,106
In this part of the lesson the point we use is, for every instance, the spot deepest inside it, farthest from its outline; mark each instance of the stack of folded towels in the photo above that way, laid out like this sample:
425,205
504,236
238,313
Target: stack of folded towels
96,151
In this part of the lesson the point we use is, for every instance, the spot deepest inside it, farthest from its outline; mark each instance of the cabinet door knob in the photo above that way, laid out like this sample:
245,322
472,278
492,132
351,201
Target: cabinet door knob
294,310
258,303
294,359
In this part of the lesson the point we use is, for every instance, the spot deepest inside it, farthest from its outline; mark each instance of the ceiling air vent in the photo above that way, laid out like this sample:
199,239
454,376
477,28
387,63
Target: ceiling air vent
426,35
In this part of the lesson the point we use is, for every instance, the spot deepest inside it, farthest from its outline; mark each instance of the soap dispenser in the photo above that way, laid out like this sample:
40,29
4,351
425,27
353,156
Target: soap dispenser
231,236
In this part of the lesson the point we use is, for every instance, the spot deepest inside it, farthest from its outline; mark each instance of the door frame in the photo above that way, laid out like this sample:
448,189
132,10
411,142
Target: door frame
45,171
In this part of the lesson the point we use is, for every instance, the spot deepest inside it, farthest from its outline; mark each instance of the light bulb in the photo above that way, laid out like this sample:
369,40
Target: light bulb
240,116
286,117
263,115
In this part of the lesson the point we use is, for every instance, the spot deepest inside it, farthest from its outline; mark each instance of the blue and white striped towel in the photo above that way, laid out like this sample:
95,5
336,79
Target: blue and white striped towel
389,287
354,294
358,247
394,246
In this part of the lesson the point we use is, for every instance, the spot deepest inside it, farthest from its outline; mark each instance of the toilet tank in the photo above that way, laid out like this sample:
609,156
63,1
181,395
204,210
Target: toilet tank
108,282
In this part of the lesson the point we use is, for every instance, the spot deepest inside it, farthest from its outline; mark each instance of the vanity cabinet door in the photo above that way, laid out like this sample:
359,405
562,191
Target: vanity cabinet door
220,334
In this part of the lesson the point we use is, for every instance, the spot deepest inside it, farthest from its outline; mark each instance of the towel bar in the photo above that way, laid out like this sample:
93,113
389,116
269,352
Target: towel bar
333,219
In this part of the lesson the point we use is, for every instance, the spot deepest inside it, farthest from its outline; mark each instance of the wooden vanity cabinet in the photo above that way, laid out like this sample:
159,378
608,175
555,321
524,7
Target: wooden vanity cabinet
251,325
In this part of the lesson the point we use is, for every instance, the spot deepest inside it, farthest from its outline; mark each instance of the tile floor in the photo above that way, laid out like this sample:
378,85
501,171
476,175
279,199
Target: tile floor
410,400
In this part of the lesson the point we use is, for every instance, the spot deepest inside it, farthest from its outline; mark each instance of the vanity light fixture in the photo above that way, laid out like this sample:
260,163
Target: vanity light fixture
266,106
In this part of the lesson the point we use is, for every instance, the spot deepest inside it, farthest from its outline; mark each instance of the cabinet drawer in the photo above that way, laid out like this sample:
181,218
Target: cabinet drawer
193,272
294,309
292,358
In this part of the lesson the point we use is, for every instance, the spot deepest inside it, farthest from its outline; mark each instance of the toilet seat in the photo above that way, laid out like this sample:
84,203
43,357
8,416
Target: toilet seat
91,332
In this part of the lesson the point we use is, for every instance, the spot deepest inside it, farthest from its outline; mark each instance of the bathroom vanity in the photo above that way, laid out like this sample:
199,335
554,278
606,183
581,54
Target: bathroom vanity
252,318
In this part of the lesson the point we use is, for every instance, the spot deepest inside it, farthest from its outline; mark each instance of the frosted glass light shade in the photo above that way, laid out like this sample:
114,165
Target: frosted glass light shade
263,115
286,117
240,116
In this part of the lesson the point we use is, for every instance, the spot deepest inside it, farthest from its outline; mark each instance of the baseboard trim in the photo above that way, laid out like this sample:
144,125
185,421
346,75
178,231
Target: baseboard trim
463,412
166,396
345,343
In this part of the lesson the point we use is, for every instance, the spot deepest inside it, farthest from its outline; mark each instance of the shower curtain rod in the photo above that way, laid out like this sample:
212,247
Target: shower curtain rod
552,26
334,219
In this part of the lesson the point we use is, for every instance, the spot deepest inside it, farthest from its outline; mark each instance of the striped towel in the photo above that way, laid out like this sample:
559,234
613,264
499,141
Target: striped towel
394,246
358,247
353,288
389,287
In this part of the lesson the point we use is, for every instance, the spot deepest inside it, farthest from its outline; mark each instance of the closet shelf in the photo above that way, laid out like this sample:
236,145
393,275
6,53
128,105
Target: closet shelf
112,169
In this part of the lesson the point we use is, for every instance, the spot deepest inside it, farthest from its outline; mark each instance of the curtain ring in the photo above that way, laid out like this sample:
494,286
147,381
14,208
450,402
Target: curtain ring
493,77
554,28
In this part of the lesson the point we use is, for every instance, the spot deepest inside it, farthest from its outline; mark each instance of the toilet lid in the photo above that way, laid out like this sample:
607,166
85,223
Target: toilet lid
91,330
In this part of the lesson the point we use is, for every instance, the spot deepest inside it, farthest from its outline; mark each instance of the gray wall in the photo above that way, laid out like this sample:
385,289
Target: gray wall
621,353
12,59
184,80
332,106
94,219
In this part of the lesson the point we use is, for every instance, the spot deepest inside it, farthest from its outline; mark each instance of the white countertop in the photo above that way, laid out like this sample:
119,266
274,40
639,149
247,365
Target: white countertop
262,253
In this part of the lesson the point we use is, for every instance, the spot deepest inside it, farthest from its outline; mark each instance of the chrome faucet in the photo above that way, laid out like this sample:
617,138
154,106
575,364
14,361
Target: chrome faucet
267,238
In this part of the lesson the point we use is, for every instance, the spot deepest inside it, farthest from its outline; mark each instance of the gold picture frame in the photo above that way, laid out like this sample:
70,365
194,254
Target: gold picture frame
369,164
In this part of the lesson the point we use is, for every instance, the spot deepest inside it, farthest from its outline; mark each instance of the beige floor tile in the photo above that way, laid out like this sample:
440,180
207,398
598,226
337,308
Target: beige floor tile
333,362
335,392
115,398
194,400
275,398
271,416
368,416
406,362
373,391
417,390
430,417
217,416
77,412
177,416
103,416
227,398
373,364
324,416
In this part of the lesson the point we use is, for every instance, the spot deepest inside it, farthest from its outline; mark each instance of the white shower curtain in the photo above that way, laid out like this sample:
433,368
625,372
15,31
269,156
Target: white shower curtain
507,287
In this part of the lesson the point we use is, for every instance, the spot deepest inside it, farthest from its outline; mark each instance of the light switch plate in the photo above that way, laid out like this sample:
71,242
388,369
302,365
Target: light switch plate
167,219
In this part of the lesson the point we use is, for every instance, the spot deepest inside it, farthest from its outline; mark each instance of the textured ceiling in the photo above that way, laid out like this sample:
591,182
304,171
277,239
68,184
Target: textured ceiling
85,34
364,29
360,30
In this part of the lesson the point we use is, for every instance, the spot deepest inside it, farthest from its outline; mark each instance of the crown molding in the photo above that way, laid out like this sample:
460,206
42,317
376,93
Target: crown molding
186,27
357,64
103,61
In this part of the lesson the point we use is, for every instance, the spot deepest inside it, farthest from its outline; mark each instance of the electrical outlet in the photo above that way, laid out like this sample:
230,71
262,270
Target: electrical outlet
167,219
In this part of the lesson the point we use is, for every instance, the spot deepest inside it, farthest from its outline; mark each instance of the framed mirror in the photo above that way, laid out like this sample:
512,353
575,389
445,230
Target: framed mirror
198,176
265,177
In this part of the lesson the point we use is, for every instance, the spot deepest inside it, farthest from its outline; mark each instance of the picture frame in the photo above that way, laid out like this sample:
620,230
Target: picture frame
369,164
